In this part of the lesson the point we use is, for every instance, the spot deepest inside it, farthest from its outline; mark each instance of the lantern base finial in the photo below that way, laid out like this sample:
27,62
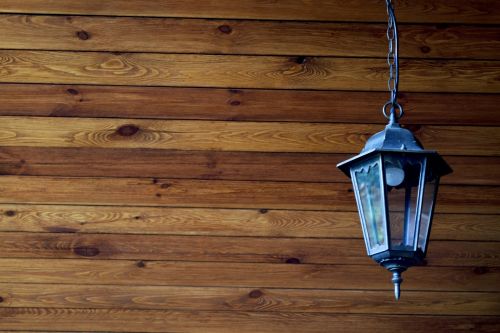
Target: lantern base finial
397,279
396,266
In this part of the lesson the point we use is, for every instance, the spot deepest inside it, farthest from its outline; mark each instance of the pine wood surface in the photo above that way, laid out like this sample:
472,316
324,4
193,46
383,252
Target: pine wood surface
237,71
222,222
243,104
254,275
305,167
123,320
220,194
440,11
169,166
127,34
246,299
229,249
231,136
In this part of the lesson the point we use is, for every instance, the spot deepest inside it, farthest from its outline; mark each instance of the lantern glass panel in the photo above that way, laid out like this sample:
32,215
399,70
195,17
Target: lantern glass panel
430,191
402,178
367,181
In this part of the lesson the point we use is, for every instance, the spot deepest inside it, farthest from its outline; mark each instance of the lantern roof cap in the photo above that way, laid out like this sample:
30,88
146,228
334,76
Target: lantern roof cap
395,139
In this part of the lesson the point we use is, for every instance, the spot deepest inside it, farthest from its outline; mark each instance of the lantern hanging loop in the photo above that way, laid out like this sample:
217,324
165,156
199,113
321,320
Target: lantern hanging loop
396,110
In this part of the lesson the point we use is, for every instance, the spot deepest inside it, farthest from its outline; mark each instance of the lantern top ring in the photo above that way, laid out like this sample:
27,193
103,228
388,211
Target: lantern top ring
395,106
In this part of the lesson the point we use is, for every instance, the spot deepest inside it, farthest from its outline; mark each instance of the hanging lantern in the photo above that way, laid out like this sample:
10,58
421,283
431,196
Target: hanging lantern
395,184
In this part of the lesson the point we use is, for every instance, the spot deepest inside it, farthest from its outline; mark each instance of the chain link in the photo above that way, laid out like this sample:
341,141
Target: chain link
393,63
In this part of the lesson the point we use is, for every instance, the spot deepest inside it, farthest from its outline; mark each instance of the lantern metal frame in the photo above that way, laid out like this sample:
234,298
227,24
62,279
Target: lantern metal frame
397,141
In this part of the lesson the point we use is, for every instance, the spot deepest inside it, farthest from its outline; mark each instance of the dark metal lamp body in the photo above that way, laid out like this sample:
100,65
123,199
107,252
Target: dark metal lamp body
395,183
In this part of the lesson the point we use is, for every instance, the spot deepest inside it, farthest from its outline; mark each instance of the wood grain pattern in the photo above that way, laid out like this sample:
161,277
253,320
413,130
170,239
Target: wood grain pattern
246,299
222,222
119,320
443,11
229,249
305,167
221,194
231,136
185,248
198,221
151,69
242,104
169,166
259,275
127,34
182,193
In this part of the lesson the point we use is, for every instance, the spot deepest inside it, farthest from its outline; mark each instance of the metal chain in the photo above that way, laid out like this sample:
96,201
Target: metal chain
393,63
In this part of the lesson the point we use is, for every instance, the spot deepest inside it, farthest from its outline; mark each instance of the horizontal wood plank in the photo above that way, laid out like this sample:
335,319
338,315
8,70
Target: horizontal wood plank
242,104
222,222
162,192
247,299
199,221
224,71
232,136
458,11
128,34
306,167
229,249
260,275
221,194
122,320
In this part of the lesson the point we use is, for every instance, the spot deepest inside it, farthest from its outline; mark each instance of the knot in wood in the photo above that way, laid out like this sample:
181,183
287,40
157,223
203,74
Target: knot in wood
301,60
83,35
255,294
72,91
425,49
293,261
86,251
225,29
127,130
10,213
481,270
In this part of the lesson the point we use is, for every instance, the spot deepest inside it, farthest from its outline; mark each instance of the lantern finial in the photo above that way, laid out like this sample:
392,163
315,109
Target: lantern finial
397,279
396,266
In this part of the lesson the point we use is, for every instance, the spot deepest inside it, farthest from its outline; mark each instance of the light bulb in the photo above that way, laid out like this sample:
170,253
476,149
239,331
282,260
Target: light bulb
394,176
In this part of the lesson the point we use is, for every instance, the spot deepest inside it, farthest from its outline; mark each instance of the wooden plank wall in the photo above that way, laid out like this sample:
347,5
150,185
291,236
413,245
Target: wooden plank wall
169,166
